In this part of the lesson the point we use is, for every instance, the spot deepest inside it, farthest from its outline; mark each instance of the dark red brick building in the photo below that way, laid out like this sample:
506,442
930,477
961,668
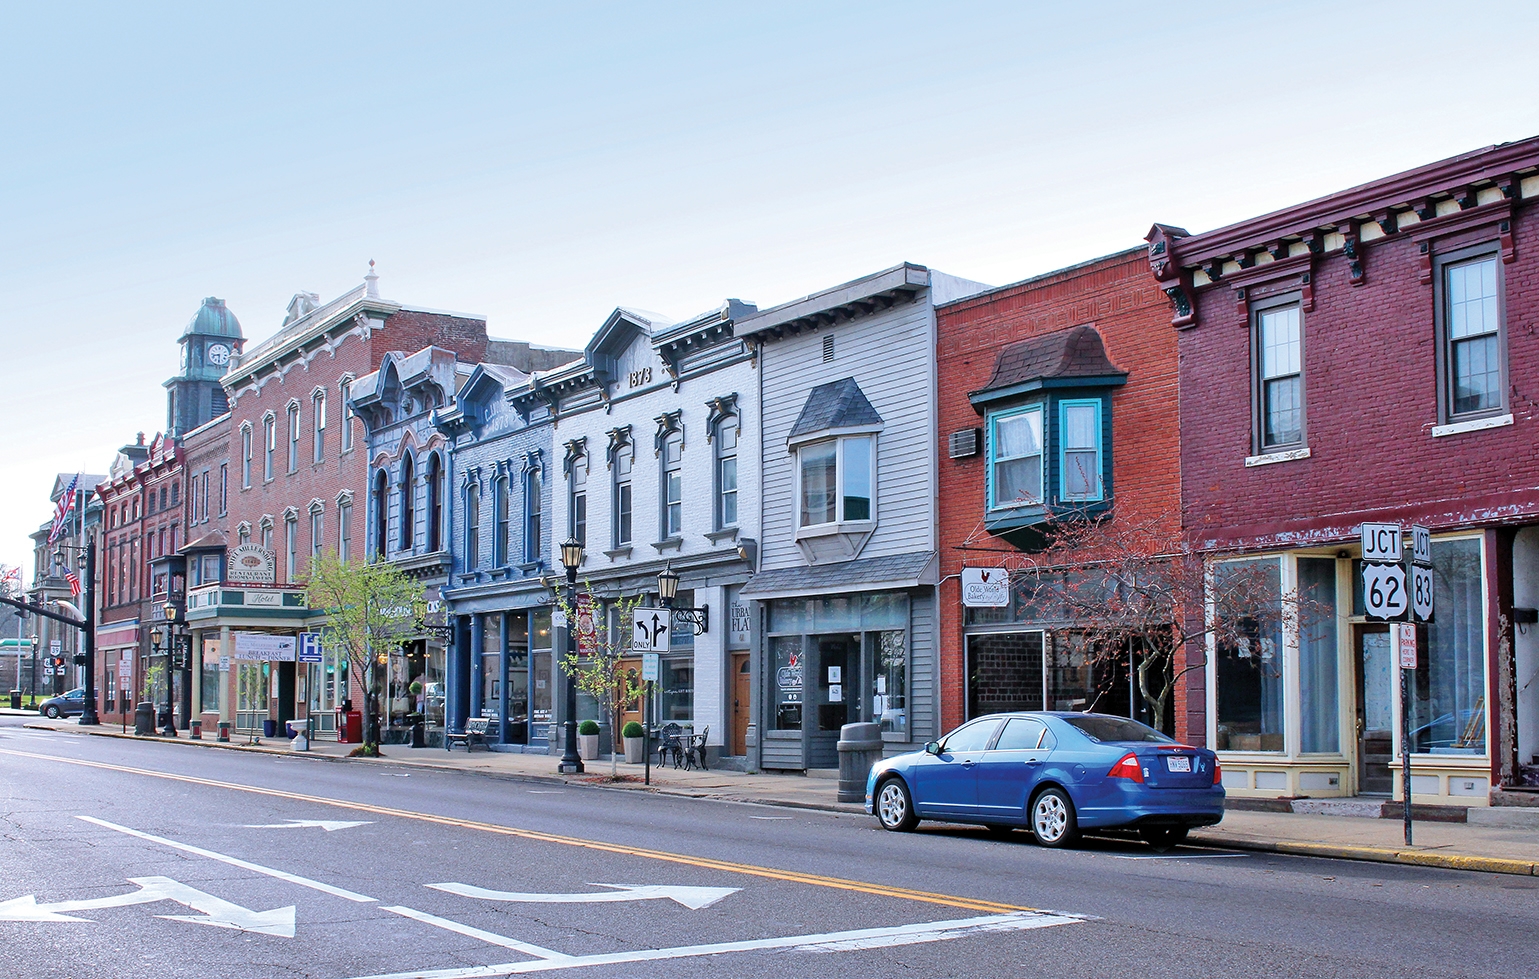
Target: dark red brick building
1056,394
1370,356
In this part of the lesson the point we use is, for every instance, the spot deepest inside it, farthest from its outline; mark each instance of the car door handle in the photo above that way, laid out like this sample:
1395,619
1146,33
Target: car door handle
1032,761
968,763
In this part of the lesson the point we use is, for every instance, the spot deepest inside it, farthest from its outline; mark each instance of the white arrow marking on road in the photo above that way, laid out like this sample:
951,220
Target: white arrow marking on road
693,898
217,912
329,825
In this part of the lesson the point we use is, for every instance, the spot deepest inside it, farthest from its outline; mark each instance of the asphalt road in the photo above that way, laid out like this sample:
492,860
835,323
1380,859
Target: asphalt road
176,861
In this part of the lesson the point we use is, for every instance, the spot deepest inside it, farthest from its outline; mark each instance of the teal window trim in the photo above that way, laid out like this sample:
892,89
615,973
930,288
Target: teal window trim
1063,449
994,418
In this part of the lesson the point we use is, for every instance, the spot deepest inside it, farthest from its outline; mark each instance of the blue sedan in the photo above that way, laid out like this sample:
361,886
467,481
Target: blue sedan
1057,773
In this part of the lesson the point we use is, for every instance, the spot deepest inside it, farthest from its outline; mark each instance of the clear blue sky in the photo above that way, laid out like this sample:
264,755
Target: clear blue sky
543,163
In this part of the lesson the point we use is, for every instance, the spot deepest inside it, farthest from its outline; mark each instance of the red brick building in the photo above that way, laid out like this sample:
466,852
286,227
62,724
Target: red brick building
1056,395
1370,356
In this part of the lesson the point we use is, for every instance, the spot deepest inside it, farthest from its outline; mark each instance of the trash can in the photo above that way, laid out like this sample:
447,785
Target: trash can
860,745
144,719
269,728
15,700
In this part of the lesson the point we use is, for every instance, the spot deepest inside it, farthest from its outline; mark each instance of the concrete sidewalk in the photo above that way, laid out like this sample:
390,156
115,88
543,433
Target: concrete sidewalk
1456,846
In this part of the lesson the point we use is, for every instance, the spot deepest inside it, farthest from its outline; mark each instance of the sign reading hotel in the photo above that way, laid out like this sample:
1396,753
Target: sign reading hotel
253,564
986,587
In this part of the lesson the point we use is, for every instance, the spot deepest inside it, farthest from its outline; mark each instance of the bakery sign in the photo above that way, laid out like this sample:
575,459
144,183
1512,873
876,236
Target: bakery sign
985,587
252,563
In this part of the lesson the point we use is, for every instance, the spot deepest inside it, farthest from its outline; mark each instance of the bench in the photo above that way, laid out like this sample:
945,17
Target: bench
475,733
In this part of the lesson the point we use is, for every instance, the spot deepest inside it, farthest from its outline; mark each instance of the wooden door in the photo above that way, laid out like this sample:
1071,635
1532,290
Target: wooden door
740,701
1375,709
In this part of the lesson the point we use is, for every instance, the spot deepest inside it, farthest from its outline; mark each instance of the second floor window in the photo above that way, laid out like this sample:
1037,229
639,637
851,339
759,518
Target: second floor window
408,503
317,535
472,525
534,492
836,480
245,458
1015,458
346,388
1473,360
1079,451
224,488
344,530
504,528
625,461
290,547
435,504
726,472
293,438
318,424
577,508
673,485
269,445
381,504
1279,370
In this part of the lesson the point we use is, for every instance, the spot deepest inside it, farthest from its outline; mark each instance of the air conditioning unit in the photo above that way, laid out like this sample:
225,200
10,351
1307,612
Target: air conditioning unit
964,443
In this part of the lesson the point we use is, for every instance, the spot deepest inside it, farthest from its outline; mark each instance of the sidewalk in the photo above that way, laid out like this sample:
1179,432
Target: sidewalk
1455,846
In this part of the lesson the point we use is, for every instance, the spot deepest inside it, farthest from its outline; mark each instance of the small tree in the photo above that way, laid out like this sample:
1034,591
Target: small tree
602,675
369,608
1116,589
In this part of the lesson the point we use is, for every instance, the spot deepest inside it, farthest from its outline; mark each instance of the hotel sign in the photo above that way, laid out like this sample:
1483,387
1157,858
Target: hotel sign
253,564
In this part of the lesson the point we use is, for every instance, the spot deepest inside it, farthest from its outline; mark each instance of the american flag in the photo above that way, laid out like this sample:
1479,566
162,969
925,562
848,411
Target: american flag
74,583
62,511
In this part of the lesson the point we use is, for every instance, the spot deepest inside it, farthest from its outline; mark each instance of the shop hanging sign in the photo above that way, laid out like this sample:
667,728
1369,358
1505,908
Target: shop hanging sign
985,587
252,563
587,632
264,647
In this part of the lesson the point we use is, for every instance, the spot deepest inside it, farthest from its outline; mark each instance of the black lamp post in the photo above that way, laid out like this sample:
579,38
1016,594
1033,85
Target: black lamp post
168,725
571,558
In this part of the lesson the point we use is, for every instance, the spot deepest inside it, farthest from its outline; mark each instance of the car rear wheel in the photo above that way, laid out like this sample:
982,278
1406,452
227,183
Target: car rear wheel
1052,818
1163,838
52,711
895,807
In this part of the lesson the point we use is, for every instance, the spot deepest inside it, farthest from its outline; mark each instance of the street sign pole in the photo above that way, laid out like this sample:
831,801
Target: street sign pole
1405,654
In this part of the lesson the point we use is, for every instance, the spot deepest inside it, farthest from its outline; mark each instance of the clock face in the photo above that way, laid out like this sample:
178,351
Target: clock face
218,354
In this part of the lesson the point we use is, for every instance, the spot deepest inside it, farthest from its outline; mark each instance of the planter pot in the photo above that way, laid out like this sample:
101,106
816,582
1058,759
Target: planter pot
587,746
635,748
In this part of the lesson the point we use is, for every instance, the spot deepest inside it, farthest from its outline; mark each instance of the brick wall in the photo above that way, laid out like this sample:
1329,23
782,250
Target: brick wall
1117,296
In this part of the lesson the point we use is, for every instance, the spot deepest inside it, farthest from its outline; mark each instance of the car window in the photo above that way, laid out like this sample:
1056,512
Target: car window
971,737
1020,732
1048,741
1102,728
76,694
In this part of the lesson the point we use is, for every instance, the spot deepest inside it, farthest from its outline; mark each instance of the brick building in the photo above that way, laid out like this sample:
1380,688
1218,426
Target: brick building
1057,400
122,589
1369,356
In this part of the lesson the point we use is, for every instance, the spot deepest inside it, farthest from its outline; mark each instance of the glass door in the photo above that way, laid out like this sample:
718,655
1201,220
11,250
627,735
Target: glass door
1375,710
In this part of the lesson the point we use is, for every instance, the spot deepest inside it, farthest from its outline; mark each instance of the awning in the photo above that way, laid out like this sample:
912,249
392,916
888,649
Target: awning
108,637
911,570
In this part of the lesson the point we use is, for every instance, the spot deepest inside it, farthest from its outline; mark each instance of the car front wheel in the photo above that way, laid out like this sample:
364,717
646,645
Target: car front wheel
1052,818
895,807
52,712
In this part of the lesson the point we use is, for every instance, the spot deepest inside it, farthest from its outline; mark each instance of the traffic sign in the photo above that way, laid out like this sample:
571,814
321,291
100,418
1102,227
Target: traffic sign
1405,644
1381,542
1385,596
310,647
1421,593
651,667
649,630
1421,544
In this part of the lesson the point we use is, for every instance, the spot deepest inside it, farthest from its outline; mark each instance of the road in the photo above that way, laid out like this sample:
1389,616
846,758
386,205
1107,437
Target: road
142,859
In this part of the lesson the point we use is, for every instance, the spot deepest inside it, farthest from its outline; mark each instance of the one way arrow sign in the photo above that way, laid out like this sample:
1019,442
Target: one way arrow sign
216,912
650,630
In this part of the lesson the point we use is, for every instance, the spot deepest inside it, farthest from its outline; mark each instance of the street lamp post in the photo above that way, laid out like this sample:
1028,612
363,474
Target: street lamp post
571,558
168,727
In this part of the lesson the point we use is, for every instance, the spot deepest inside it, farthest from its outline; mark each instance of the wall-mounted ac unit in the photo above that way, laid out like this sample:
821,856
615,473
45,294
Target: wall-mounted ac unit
964,443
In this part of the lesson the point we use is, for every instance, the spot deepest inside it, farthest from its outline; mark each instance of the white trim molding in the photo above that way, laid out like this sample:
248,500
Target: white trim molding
1473,425
1271,458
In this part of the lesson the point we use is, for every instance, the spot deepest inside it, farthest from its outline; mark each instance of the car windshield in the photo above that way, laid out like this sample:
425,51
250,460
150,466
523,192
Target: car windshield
1099,727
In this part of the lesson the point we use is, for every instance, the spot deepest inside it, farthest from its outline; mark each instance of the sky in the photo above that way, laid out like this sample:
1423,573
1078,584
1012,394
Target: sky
543,163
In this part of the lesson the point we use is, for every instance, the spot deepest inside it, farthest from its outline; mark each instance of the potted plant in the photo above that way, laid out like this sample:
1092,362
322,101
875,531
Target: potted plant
635,745
587,740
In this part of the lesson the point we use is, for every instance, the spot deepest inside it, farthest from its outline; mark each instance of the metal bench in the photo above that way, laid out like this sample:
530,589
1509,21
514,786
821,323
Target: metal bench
475,733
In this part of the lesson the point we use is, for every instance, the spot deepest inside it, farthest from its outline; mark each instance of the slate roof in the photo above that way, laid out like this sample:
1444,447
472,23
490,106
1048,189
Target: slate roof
867,574
1075,352
837,404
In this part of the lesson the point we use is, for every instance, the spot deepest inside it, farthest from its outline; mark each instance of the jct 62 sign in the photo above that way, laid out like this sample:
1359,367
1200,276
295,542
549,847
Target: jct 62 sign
1385,595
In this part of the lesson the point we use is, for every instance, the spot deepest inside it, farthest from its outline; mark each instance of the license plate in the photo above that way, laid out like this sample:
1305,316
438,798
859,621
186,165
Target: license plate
1178,763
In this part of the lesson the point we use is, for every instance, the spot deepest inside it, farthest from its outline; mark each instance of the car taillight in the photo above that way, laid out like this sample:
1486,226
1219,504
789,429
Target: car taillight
1127,767
1218,774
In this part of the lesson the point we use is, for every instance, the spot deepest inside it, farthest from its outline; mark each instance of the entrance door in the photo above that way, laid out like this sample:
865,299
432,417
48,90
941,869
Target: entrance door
286,694
740,700
1375,710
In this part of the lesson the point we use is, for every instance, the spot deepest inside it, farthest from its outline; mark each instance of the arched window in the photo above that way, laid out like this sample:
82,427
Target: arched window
408,503
534,493
625,460
294,436
346,388
472,525
318,423
435,504
726,472
381,513
245,456
269,445
503,529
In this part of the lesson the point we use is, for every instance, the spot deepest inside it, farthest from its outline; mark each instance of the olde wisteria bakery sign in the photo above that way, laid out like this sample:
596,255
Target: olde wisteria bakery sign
985,587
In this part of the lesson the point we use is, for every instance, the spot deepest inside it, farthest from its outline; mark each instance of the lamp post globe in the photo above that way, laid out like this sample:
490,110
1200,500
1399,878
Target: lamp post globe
571,559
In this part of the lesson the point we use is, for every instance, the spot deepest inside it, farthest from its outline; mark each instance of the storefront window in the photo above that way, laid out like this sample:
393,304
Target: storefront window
1448,706
1248,671
1320,725
786,653
678,689
1004,673
540,672
889,702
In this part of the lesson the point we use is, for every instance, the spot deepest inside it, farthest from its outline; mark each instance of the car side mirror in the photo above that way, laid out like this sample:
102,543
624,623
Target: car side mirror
932,748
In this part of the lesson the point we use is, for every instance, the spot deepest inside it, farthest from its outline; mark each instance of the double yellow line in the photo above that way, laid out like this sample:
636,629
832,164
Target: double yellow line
706,863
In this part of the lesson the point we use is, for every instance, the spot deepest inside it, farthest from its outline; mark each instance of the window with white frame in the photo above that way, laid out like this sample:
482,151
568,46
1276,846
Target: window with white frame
224,488
270,445
1473,357
1016,470
1279,369
502,505
726,472
836,480
624,464
533,495
344,529
318,424
1079,451
346,390
472,525
245,456
293,437
317,530
577,499
267,533
671,518
290,546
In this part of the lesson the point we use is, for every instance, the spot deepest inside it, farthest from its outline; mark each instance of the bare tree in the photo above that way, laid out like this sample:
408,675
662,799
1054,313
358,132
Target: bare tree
602,673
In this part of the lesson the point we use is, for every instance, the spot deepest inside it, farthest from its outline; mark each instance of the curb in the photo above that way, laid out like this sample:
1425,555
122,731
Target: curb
1373,854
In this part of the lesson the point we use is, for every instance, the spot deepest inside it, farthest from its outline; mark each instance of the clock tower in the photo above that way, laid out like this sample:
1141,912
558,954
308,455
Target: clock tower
211,341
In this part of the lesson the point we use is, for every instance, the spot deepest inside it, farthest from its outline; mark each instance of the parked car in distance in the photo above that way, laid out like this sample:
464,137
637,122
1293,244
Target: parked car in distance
66,704
1056,773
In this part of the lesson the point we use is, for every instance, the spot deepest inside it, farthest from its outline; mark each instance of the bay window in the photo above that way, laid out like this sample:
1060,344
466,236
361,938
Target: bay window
1080,450
836,479
1015,458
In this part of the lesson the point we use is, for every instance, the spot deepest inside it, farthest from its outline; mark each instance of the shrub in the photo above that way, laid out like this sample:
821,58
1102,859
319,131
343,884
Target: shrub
632,730
588,727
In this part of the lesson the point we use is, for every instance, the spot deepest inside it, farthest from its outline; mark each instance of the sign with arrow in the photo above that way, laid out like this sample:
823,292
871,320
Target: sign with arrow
693,898
216,912
650,630
329,825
